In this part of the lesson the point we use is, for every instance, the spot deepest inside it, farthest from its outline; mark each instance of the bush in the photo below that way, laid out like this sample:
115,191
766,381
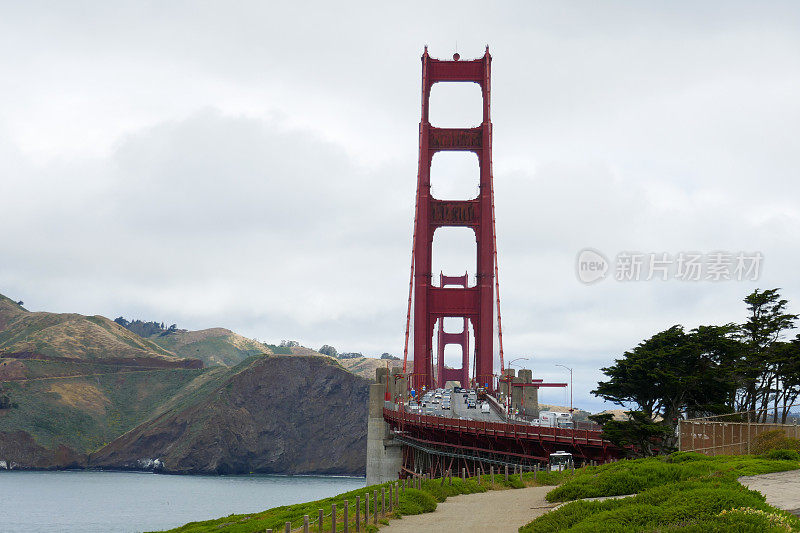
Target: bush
679,457
774,440
416,502
681,492
441,492
789,455
634,476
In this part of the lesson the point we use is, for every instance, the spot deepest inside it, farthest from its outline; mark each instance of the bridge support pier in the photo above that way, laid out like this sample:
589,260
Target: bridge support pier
524,396
384,454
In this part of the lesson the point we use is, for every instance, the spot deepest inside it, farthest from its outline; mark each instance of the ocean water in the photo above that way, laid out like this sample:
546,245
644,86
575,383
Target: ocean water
117,502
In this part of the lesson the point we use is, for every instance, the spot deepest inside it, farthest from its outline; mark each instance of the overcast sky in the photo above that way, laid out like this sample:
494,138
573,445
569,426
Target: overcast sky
252,165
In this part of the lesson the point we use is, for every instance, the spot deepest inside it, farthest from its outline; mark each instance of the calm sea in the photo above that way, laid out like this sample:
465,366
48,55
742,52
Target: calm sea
130,502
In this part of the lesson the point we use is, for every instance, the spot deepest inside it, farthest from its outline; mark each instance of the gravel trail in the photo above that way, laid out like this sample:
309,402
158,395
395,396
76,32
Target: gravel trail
496,511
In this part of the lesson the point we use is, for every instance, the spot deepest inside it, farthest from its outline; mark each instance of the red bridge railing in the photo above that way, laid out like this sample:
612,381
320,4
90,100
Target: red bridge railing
587,437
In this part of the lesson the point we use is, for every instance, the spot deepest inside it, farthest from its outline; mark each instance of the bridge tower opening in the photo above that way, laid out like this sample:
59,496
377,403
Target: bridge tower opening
461,338
431,303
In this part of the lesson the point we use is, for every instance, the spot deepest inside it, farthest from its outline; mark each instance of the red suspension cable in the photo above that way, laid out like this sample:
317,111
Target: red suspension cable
497,284
410,286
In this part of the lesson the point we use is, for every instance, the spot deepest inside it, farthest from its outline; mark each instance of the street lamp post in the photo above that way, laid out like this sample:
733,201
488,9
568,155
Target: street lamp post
570,386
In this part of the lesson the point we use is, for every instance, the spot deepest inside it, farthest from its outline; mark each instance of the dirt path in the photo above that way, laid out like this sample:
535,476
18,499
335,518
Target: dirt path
782,489
496,511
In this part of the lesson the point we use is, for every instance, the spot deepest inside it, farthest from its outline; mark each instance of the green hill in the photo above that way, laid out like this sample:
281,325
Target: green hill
77,382
70,336
86,391
214,346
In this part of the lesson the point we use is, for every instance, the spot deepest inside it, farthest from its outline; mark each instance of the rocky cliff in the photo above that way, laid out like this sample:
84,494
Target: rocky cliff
273,414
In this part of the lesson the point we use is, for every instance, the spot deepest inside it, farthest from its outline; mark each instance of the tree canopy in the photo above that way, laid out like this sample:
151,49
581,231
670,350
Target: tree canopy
708,370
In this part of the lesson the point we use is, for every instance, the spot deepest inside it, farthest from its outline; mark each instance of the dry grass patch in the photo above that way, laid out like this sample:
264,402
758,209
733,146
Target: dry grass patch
81,396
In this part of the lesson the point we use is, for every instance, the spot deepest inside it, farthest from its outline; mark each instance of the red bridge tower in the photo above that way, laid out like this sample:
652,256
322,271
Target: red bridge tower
473,303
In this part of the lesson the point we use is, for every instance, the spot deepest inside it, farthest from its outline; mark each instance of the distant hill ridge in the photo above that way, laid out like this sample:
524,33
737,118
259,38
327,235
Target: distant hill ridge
213,346
71,336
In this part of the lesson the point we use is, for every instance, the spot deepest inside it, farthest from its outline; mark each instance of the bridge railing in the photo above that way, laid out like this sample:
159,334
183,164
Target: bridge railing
496,428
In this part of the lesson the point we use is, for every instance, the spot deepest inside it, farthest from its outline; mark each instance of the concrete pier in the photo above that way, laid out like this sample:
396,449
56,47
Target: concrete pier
384,454
523,396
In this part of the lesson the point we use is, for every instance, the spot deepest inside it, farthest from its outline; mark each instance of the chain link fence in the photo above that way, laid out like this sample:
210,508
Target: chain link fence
730,434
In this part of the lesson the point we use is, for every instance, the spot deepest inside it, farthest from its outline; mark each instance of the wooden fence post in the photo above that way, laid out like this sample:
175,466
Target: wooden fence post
288,527
358,514
346,518
321,520
375,510
333,518
506,472
305,523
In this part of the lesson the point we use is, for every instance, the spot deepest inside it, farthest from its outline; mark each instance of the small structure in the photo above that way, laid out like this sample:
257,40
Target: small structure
523,391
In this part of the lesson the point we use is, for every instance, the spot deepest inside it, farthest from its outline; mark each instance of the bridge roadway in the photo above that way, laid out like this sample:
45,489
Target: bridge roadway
469,439
459,410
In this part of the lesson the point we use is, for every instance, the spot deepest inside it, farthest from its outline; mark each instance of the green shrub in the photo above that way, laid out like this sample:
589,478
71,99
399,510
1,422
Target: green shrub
774,440
416,502
709,501
548,478
681,492
621,519
568,515
634,476
789,455
742,520
679,457
620,478
441,492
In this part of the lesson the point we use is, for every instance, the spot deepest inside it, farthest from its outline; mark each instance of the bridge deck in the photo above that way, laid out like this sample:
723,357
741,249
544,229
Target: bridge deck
572,437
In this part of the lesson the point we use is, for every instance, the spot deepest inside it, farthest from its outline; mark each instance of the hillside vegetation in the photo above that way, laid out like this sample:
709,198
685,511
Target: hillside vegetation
680,492
83,413
59,336
273,414
83,391
213,346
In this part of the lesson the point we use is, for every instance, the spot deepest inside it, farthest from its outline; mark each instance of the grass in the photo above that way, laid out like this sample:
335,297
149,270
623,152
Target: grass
213,350
60,411
412,502
683,491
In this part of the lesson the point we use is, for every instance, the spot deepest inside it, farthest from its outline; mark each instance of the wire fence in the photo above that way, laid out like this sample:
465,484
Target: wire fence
729,434
343,517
